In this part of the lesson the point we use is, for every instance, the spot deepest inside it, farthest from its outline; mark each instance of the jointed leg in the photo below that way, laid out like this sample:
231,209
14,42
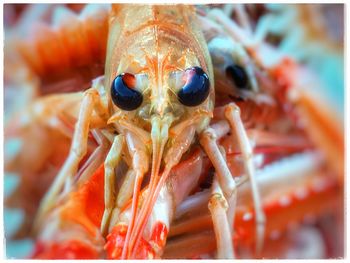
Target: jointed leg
235,31
124,195
95,159
262,29
111,162
218,202
231,200
209,142
222,226
232,114
243,18
140,162
77,152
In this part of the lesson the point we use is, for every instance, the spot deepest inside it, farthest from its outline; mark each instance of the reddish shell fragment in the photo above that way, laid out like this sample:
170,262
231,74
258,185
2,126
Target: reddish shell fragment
115,244
86,205
159,235
73,249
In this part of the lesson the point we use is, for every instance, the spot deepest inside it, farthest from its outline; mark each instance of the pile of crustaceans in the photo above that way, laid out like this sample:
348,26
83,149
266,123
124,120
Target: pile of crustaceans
195,132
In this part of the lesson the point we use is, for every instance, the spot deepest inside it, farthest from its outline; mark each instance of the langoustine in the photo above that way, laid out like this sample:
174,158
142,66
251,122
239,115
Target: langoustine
248,104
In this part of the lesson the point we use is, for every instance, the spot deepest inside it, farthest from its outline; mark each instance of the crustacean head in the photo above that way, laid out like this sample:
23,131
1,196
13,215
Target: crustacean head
159,79
157,73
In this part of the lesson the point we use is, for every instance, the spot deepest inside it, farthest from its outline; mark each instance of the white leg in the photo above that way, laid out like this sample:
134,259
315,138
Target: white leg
228,9
222,212
231,200
208,141
263,28
243,18
95,159
140,163
222,226
232,113
77,152
235,31
124,195
111,162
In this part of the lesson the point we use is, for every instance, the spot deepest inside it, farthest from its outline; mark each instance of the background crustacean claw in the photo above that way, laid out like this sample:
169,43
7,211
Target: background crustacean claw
235,148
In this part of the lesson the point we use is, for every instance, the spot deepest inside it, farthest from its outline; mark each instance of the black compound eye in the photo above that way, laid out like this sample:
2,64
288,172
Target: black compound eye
238,75
123,94
196,89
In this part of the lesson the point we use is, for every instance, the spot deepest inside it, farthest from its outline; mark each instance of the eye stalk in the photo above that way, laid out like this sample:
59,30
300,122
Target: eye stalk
196,88
124,96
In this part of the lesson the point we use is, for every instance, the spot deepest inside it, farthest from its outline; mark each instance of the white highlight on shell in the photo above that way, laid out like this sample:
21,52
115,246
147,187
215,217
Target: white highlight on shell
247,216
319,185
258,159
301,193
24,119
285,201
54,122
289,168
162,210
